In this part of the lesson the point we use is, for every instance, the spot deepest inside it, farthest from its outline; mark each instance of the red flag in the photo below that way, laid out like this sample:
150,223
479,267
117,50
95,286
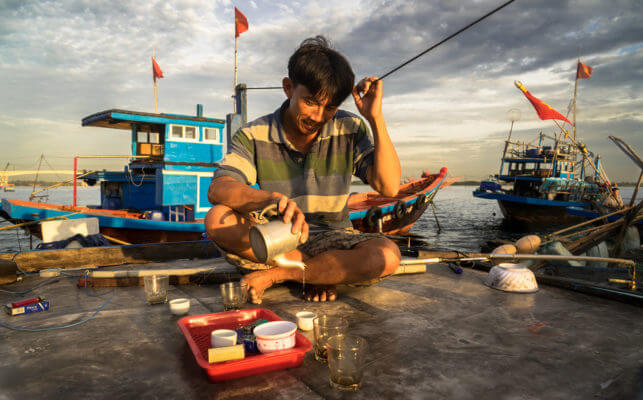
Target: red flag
156,70
543,109
583,71
240,22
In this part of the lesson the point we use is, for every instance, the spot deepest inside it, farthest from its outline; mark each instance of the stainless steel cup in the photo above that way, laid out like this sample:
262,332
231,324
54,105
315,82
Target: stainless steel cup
272,239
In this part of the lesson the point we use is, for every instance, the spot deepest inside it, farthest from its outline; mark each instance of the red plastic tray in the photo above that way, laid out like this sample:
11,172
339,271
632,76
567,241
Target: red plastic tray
197,329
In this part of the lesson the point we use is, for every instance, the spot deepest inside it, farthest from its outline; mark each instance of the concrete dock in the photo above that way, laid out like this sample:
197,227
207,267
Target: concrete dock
435,335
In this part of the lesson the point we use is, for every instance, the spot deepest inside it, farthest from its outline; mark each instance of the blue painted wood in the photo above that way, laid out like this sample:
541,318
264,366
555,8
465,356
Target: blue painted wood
527,200
510,178
192,152
167,121
179,190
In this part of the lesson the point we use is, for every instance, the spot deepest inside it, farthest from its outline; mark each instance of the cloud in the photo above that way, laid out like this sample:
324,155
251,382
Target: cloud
63,60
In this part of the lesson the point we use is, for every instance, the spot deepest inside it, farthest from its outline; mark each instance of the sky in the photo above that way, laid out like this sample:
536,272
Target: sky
63,60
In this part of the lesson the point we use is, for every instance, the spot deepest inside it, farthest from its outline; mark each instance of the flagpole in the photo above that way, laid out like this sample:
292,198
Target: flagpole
575,91
156,103
234,88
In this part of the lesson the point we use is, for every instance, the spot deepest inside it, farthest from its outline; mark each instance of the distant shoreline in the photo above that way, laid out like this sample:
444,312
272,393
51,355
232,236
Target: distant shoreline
458,183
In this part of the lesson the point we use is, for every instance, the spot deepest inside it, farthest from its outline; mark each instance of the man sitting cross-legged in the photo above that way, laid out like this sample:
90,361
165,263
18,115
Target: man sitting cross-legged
302,157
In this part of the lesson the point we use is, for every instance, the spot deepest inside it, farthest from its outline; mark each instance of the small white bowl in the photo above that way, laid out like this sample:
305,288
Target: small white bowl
179,306
512,278
223,338
305,320
275,336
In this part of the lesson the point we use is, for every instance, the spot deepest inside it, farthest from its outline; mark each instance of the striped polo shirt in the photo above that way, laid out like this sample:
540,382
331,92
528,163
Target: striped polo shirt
319,181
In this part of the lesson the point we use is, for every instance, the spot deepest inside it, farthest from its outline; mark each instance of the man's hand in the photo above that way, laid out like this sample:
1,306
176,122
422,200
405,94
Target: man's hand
368,98
291,212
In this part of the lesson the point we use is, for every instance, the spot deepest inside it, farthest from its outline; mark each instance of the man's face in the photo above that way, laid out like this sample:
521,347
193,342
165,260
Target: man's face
309,113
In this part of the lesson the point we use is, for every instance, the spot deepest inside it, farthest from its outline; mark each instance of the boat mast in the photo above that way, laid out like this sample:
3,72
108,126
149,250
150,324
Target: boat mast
575,92
514,115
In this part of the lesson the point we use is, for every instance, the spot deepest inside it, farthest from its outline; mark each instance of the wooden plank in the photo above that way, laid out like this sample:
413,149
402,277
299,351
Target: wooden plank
91,257
8,272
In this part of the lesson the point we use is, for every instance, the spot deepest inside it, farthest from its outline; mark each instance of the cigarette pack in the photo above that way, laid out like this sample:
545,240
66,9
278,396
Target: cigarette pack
42,305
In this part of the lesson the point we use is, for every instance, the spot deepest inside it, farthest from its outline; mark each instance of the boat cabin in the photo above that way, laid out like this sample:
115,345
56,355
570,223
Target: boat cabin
173,159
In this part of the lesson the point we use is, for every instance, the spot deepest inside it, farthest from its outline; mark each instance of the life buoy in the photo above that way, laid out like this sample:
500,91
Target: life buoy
400,209
372,216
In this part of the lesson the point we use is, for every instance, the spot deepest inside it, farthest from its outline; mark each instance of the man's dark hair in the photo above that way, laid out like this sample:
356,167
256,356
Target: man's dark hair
324,71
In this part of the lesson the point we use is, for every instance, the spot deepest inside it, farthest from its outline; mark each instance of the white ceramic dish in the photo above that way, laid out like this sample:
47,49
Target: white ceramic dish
512,278
223,338
305,320
275,336
179,306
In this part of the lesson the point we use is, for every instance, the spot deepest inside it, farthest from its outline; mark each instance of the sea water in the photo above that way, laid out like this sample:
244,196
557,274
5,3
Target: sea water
467,222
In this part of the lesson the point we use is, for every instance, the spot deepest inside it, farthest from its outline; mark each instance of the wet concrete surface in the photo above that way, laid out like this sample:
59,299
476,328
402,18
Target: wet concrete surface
431,336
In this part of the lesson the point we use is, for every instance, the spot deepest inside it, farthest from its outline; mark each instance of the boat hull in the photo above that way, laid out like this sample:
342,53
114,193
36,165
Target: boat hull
131,227
531,210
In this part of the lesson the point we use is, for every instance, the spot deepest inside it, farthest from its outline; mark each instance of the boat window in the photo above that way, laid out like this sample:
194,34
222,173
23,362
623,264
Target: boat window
184,133
211,134
190,132
177,131
154,137
141,137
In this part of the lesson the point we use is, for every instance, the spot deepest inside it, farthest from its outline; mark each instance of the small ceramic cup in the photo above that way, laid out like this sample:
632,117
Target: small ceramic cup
223,338
305,320
179,306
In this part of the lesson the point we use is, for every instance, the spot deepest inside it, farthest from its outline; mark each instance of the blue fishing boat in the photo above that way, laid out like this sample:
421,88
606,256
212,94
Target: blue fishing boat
536,183
162,193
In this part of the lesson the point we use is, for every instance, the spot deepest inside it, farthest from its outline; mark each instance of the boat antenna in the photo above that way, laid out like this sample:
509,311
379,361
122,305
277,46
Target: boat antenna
490,13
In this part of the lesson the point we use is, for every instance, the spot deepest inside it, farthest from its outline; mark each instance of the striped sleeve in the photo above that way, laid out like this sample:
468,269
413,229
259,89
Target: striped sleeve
239,163
362,152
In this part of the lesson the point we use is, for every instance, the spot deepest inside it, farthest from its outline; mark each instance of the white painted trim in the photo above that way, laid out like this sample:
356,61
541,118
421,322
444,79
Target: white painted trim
210,141
182,139
198,173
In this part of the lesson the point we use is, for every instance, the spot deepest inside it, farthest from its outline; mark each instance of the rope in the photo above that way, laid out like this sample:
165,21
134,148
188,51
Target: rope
131,179
446,39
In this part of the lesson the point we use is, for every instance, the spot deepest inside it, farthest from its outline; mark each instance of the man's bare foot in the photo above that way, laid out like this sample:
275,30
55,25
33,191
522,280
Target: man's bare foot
321,293
258,282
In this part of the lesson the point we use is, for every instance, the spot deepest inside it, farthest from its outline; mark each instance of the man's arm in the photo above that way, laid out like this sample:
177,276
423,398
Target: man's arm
385,173
244,199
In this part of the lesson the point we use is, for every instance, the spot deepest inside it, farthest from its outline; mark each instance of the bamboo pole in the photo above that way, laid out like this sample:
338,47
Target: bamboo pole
587,222
37,221
636,189
483,257
114,240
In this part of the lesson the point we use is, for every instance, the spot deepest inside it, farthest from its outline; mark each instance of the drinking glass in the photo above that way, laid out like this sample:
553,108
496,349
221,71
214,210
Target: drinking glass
324,327
346,355
234,295
156,288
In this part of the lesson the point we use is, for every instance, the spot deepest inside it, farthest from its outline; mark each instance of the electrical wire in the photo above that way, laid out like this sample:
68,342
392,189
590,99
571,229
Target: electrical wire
50,328
51,280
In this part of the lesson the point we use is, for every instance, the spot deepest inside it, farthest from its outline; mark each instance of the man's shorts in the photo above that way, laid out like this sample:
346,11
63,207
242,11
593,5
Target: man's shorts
338,239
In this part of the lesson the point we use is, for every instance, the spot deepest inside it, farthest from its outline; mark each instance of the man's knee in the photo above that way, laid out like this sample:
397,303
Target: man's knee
387,254
392,256
216,218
